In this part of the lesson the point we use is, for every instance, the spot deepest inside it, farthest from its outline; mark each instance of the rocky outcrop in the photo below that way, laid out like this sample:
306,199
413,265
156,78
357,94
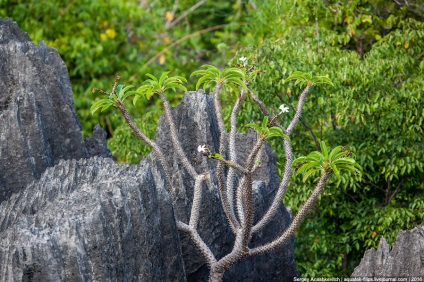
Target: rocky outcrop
69,216
405,259
38,124
91,220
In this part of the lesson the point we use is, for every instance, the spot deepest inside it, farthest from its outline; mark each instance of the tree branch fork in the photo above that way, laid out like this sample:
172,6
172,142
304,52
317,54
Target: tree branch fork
237,200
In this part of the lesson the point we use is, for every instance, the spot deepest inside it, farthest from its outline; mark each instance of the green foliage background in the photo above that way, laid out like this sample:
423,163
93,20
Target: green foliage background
373,51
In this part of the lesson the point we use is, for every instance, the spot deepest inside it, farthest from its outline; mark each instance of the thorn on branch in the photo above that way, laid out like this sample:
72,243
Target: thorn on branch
99,90
115,85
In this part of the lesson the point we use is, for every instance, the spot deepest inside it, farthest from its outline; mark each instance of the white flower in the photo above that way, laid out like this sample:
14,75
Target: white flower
283,109
202,149
243,59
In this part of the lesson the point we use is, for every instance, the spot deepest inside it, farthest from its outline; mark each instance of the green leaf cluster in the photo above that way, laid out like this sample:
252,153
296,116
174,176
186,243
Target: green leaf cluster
119,94
267,132
154,85
323,161
231,78
304,78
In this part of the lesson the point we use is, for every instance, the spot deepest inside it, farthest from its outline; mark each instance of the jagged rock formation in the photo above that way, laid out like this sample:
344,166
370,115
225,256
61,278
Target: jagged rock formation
38,124
73,218
91,220
406,259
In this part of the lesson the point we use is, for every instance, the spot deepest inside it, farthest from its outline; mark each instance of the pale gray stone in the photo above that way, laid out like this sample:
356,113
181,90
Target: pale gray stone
405,259
38,123
90,220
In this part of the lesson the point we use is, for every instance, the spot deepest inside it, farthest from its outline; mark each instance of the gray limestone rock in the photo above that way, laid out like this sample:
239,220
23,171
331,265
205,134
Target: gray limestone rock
96,143
405,259
38,124
91,220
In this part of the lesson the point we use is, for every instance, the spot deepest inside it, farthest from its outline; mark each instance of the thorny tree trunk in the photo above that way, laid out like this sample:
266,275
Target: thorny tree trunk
215,276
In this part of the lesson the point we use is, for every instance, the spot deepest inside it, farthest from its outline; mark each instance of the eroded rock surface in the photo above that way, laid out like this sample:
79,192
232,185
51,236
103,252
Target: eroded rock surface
405,259
91,220
38,124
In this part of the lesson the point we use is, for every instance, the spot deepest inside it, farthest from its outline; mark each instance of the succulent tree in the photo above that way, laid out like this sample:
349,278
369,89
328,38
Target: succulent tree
236,197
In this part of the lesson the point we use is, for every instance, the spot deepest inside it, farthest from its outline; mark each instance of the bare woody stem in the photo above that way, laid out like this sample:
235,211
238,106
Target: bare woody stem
216,276
251,159
297,115
289,156
232,165
242,206
239,201
265,111
299,109
200,244
298,219
174,137
197,199
247,200
245,208
232,148
220,166
258,163
274,119
281,189
140,135
260,104
241,250
249,212
225,263
218,111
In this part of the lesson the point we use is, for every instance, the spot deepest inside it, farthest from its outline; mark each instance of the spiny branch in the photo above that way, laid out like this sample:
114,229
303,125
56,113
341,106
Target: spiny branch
197,199
220,166
145,139
265,111
232,148
281,189
298,219
233,166
200,244
299,109
174,137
